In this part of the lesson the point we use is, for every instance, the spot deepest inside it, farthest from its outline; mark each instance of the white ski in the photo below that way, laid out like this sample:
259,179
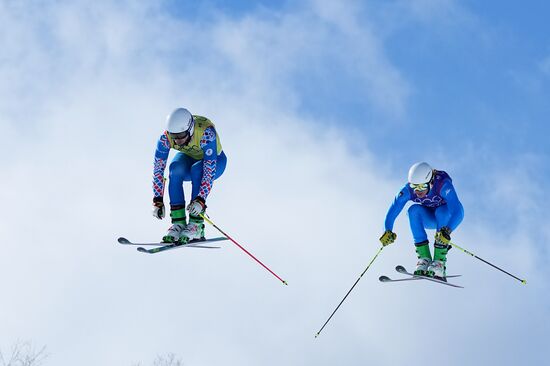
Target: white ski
160,247
402,270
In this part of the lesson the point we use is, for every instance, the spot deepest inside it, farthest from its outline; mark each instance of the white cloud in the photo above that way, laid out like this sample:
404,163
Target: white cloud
297,198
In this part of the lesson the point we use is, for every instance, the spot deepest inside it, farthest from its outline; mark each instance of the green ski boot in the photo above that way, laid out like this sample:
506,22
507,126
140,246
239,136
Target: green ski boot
194,231
437,268
424,258
173,235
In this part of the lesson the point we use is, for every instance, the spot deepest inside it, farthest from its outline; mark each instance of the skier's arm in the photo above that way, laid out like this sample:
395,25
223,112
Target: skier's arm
161,157
209,147
397,206
456,211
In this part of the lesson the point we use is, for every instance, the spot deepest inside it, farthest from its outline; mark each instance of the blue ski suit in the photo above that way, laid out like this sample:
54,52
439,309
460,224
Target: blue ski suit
440,207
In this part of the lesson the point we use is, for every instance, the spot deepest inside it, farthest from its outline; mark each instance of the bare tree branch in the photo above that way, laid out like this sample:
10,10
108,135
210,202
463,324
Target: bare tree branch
23,354
169,360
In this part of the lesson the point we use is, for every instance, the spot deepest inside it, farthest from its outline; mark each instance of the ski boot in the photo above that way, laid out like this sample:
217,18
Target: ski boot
174,233
437,268
424,258
194,231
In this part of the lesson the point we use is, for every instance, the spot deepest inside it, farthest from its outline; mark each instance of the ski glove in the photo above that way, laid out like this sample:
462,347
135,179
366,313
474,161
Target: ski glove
197,206
443,236
388,237
158,208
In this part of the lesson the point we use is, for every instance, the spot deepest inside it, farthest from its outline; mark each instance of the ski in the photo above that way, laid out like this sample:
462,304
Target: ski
387,279
172,246
125,241
160,247
402,270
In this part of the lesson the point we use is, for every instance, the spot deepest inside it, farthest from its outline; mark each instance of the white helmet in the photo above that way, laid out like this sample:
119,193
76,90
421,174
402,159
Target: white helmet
180,120
420,173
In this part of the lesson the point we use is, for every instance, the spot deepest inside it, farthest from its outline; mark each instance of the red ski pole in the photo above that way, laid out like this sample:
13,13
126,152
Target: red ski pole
244,250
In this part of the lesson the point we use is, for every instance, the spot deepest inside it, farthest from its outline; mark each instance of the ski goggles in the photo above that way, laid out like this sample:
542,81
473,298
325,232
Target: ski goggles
179,135
419,187
184,135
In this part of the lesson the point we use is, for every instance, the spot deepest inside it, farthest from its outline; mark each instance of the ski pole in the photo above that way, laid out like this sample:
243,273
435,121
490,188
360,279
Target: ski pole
330,317
492,265
244,250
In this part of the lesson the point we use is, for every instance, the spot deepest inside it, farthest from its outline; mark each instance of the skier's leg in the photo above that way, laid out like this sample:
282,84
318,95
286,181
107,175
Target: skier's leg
438,266
197,172
442,216
420,219
179,170
195,229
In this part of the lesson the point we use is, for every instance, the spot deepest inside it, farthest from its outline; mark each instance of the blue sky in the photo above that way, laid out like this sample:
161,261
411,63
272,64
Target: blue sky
472,85
476,84
475,71
321,106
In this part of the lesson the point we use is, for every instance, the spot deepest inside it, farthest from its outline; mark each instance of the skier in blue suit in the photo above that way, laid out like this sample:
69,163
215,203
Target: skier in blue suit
436,206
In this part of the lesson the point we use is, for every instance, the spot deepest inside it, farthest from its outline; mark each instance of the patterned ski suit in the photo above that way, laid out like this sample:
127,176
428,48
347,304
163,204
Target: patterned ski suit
201,161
